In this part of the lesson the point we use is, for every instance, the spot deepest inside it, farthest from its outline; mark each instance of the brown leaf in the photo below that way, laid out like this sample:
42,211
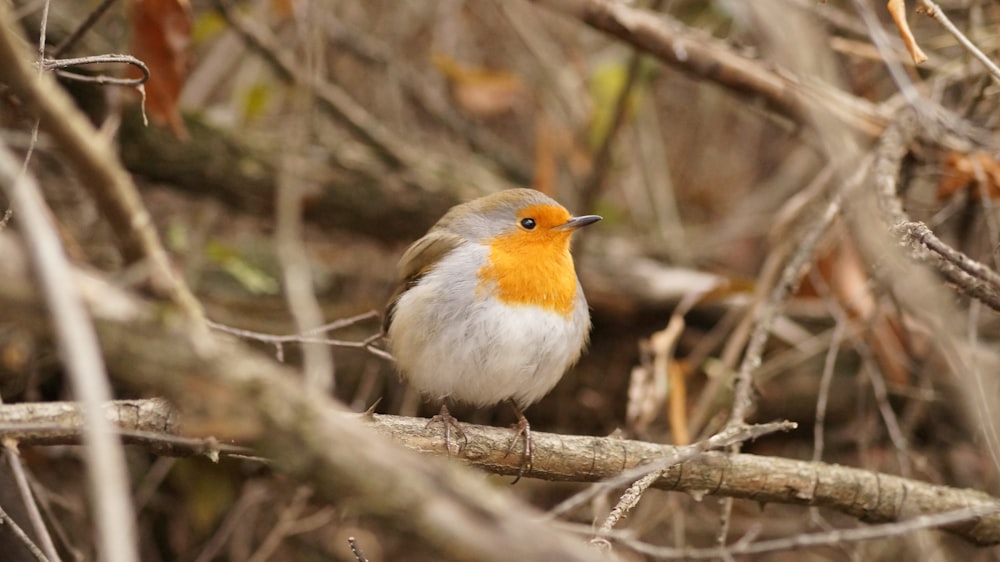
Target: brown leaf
844,272
161,34
963,171
479,91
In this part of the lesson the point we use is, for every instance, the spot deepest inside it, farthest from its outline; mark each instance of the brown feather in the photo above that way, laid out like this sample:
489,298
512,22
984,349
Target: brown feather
418,259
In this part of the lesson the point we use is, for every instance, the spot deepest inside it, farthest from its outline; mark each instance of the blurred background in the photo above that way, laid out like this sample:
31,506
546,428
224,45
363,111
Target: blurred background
377,116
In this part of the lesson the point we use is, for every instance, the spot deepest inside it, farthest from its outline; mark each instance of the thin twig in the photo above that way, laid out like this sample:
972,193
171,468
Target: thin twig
971,277
300,293
59,65
669,41
823,395
676,456
897,9
283,528
279,340
934,11
160,442
31,506
790,277
82,358
253,494
746,546
359,555
97,167
336,101
289,338
84,26
22,536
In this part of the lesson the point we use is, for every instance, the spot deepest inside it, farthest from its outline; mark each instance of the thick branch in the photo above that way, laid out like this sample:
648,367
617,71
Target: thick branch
358,193
704,57
869,496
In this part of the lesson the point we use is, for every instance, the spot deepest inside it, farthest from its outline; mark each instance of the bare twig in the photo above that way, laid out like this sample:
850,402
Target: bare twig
283,527
307,436
300,294
790,277
22,536
824,389
60,64
151,423
336,101
252,495
97,166
84,26
934,11
307,337
971,277
359,555
747,546
672,456
699,55
107,476
31,506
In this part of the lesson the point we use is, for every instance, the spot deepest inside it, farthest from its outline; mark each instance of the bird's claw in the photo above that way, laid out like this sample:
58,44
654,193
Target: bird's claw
450,423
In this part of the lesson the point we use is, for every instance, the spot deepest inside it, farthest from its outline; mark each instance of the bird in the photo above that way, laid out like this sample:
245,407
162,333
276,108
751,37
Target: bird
488,307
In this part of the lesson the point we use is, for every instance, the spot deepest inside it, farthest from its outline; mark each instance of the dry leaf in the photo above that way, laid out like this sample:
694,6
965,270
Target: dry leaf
963,171
478,91
161,34
844,272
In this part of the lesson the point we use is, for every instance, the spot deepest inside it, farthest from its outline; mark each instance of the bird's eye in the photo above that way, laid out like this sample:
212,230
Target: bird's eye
528,223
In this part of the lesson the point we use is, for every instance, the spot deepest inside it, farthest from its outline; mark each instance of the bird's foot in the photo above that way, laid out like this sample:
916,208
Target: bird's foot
522,430
450,423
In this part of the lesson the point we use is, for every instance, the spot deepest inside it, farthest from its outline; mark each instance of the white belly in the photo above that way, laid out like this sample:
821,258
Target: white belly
474,349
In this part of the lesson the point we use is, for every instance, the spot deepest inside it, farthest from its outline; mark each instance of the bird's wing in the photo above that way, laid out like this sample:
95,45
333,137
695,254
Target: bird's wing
418,259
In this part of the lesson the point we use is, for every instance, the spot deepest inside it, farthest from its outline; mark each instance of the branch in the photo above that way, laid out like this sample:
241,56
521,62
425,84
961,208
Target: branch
78,349
95,162
934,11
836,538
704,57
869,496
424,169
971,277
236,393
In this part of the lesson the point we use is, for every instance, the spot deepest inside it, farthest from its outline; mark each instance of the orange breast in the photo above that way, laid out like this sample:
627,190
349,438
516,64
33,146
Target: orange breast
532,268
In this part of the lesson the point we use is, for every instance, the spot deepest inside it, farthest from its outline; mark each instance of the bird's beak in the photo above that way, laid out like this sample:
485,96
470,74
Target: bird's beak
578,222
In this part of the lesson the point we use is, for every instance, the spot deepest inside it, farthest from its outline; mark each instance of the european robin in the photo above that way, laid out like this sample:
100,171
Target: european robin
489,308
